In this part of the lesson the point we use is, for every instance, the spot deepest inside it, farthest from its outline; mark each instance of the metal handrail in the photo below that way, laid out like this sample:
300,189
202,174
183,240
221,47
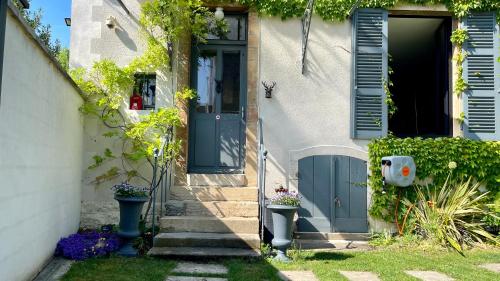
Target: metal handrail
165,182
261,178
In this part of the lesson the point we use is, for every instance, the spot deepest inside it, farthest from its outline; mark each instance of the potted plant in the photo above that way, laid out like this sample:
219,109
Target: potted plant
131,199
283,206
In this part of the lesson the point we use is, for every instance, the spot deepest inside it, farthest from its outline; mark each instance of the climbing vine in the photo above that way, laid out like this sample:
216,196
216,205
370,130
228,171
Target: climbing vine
339,9
391,105
477,159
458,38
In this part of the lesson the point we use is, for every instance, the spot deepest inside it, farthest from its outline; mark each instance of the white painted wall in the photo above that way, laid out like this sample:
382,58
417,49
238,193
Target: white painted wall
41,134
92,40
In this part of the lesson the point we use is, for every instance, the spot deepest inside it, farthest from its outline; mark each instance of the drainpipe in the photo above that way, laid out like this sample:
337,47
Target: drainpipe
3,23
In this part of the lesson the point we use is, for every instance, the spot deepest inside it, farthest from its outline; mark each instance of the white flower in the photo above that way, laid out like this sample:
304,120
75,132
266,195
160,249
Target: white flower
452,165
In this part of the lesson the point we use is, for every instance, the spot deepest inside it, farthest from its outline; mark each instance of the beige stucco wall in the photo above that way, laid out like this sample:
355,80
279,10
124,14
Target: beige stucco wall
309,114
41,134
92,40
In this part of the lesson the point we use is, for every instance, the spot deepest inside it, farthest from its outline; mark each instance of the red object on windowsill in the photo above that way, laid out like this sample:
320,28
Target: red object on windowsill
136,102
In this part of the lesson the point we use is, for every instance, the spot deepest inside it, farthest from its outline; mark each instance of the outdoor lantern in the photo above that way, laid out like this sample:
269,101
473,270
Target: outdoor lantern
67,21
219,13
111,22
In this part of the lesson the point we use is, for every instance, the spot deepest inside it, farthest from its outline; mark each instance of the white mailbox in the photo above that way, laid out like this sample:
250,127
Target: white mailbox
398,170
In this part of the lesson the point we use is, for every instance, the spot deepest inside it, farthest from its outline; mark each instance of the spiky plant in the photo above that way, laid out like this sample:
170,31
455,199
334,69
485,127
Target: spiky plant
452,214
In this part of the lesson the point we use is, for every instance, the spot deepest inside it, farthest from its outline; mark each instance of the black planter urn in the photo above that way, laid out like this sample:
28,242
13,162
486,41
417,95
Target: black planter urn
282,229
128,229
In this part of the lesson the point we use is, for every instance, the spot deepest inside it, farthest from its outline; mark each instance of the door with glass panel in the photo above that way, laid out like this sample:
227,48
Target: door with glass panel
217,115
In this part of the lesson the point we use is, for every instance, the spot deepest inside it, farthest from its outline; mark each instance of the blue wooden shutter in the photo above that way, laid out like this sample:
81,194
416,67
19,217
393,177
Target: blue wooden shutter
482,74
369,73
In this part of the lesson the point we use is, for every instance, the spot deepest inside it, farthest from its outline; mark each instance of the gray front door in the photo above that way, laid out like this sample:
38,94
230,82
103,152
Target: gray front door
217,115
333,190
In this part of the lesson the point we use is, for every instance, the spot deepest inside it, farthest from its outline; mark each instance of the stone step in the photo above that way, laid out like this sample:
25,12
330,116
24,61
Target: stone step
209,224
216,179
332,236
214,193
212,208
202,252
215,240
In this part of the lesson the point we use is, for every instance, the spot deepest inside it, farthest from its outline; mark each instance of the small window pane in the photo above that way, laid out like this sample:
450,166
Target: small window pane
206,82
145,85
236,29
231,82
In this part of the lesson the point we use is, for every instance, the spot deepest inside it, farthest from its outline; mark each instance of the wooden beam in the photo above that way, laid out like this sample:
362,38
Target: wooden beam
417,10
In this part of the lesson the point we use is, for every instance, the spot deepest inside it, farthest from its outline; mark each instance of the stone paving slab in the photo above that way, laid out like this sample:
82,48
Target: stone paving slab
495,267
296,275
360,275
191,278
333,245
429,275
196,268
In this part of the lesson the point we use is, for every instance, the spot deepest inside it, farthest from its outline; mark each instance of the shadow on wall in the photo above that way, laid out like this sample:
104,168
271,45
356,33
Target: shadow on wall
125,38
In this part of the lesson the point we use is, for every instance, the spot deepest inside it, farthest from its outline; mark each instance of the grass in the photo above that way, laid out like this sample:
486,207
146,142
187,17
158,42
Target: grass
388,264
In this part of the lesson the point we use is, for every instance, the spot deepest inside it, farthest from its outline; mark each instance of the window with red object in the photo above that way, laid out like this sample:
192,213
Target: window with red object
144,94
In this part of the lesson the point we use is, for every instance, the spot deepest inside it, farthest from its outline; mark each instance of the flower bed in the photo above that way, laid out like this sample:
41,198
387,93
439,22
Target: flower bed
89,244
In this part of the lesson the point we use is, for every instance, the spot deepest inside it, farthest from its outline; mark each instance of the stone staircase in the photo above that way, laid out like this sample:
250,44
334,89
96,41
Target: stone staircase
215,215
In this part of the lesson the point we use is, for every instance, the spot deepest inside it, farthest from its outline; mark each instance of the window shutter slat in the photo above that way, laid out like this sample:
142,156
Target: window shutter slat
482,74
369,73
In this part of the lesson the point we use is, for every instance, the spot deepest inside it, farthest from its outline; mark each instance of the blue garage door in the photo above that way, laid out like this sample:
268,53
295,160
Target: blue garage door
333,190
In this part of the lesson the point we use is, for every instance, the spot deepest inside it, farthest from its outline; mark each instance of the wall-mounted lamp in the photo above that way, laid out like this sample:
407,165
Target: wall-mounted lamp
219,13
111,22
269,88
67,21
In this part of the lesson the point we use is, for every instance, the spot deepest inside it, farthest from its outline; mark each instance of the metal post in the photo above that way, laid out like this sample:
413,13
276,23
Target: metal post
153,188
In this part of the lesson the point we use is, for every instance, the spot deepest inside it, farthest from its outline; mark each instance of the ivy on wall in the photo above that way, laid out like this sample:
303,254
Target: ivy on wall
477,159
339,9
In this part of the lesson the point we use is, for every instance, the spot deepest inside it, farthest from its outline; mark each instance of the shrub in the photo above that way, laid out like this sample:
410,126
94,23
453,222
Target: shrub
85,245
451,215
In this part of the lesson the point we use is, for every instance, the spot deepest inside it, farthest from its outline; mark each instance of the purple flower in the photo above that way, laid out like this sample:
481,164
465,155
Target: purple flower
127,190
85,245
285,197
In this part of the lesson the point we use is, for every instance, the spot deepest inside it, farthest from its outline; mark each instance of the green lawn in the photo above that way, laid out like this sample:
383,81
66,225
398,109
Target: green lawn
388,264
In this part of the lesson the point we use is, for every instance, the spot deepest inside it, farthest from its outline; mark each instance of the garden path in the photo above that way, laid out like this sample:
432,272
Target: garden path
495,267
196,269
296,275
429,275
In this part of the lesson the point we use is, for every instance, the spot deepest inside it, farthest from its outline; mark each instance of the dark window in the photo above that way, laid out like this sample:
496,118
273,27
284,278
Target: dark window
237,29
231,82
420,51
145,85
